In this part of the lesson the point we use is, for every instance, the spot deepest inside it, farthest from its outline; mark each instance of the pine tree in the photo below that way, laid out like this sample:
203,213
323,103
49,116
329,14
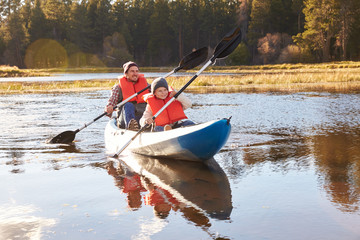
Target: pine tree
100,22
260,19
193,24
353,46
159,47
177,21
297,8
79,29
26,13
8,7
320,27
38,27
56,13
120,14
348,12
138,21
15,40
103,24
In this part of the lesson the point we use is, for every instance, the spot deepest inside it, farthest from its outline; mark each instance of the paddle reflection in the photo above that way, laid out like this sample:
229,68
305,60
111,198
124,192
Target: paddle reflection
197,190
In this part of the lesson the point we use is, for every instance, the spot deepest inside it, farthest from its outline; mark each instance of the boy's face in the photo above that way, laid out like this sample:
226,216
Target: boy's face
161,92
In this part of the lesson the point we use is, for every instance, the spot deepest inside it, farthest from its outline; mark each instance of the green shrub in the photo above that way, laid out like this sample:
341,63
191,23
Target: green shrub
240,56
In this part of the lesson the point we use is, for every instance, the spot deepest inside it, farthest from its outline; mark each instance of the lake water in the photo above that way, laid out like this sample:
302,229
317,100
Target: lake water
290,170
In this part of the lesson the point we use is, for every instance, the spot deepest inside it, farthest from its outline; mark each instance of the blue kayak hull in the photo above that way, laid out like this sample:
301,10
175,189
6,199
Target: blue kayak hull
208,141
199,142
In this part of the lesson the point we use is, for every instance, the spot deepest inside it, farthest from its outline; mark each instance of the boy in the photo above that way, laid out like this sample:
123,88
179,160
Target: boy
171,117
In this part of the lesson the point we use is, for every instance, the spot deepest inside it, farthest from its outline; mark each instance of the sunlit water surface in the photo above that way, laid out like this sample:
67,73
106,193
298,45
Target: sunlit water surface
290,170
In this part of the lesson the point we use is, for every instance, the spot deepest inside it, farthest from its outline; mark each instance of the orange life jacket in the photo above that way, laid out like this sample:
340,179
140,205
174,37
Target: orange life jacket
132,183
159,196
129,88
174,112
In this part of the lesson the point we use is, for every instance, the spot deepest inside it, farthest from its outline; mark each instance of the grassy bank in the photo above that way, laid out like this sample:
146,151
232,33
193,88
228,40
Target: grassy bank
330,77
10,71
334,80
13,71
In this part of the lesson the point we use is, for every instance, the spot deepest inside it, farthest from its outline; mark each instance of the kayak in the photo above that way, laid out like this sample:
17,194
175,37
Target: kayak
199,190
198,142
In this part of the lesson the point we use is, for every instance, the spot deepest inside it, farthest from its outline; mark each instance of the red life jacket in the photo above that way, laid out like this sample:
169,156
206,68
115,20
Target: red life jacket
174,112
129,88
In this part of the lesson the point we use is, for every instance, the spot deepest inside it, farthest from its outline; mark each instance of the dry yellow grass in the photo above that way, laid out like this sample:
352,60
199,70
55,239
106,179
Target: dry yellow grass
331,77
53,87
13,71
338,80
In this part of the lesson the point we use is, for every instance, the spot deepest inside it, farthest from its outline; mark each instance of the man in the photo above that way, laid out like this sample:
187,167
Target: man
132,82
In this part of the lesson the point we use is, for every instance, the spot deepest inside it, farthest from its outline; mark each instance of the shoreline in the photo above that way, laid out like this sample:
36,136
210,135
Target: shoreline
342,77
340,87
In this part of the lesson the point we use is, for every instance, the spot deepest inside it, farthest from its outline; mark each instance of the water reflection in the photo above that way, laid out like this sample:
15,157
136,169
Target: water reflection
20,222
337,157
66,148
199,191
335,153
15,162
284,152
279,151
292,161
128,182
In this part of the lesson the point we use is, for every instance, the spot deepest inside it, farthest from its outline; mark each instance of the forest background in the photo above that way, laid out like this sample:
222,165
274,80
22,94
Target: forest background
107,33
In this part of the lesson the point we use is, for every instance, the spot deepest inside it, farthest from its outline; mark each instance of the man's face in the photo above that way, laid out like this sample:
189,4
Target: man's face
132,74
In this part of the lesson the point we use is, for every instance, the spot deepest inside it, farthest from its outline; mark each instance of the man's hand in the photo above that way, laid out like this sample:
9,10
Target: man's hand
109,109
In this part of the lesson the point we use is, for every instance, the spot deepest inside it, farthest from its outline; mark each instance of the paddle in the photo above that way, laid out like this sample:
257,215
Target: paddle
223,49
188,62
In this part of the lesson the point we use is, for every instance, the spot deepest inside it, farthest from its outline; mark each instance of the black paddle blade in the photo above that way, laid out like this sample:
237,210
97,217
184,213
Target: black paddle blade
64,137
228,44
193,59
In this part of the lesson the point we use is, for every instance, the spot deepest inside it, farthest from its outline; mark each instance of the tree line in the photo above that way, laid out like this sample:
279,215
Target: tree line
76,33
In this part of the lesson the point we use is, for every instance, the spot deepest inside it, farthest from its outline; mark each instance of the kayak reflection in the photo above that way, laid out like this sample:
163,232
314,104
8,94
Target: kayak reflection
196,189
